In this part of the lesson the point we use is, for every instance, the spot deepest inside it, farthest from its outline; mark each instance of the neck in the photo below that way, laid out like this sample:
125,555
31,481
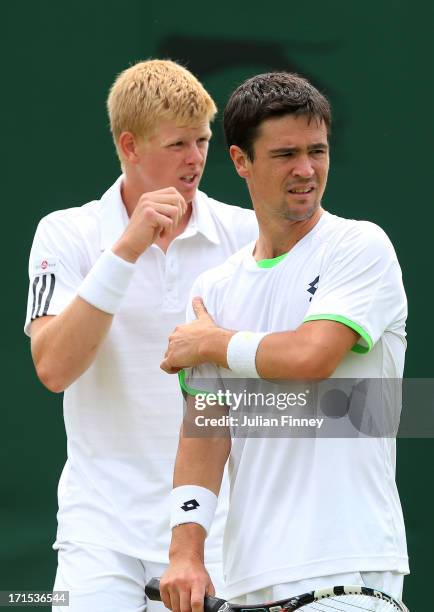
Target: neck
130,193
277,239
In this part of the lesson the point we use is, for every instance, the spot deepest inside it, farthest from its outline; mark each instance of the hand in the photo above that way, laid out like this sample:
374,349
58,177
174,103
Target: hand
157,213
183,350
184,585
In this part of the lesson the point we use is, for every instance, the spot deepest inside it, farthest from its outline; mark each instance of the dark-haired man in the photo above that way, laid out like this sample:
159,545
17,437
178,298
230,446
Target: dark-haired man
321,296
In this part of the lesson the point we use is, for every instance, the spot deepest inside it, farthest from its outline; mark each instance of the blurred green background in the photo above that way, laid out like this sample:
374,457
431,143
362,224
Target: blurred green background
374,61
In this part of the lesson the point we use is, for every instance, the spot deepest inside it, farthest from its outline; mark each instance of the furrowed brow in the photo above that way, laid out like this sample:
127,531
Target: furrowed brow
319,145
283,150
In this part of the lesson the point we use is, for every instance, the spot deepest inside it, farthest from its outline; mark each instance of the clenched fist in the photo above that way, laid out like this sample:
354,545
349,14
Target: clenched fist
156,214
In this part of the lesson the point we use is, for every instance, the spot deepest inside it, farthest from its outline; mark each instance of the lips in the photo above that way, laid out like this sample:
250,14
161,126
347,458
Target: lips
301,190
188,178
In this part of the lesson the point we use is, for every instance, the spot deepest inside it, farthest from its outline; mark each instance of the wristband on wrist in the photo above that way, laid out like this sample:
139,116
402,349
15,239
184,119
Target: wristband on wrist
107,282
192,504
241,353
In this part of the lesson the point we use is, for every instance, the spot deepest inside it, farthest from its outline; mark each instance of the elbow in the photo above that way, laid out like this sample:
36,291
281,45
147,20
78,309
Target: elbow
315,366
50,378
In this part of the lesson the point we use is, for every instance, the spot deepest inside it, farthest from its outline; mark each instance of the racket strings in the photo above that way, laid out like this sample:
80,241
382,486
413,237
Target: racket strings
351,603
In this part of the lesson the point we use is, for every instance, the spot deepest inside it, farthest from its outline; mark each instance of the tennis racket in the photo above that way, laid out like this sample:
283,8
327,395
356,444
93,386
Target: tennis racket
333,599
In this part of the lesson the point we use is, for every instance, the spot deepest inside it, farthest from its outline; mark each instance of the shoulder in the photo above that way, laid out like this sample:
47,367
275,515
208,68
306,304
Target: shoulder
231,219
228,211
72,223
350,236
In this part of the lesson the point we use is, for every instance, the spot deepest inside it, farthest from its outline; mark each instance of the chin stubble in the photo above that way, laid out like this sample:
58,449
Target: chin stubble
288,215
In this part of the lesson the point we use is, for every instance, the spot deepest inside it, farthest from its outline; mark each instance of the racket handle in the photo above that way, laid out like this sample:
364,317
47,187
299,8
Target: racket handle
213,604
152,590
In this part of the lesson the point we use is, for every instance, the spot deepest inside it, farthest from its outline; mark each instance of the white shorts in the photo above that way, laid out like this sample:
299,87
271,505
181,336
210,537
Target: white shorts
103,580
390,582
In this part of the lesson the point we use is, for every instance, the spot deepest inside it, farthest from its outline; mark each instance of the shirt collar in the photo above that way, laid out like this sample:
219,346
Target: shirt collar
114,217
202,220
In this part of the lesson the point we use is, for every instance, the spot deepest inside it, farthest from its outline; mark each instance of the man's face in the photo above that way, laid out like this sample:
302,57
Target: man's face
288,175
173,156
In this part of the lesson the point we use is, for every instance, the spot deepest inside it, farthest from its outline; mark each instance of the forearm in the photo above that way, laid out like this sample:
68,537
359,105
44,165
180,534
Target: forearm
201,462
279,355
65,346
314,350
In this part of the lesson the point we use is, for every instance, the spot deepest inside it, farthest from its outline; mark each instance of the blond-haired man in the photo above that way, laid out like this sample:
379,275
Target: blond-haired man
108,282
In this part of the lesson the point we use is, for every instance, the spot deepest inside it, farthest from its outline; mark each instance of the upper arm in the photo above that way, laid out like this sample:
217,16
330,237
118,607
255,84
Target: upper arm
361,287
56,269
327,342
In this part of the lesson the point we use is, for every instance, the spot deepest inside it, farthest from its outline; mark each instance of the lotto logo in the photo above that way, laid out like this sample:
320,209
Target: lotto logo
313,286
44,264
191,504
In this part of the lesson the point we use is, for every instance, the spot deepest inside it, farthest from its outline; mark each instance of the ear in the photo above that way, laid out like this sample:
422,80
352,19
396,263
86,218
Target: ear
241,161
128,147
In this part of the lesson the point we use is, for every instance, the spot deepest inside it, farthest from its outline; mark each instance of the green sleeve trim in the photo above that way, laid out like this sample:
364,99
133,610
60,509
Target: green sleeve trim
189,390
357,348
270,263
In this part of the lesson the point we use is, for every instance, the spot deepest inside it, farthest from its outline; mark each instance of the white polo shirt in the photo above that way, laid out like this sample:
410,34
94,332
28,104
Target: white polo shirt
122,416
306,507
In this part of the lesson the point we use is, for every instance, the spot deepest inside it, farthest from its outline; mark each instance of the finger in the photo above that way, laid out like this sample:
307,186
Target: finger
165,597
185,600
168,210
171,191
174,198
173,202
174,191
163,223
210,590
169,369
165,366
174,599
166,190
197,597
164,197
199,307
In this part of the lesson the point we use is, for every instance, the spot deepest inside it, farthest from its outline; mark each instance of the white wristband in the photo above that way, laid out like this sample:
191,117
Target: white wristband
192,504
107,282
241,353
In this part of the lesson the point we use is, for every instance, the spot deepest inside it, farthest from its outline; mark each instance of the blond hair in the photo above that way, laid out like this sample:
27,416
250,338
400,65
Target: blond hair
152,90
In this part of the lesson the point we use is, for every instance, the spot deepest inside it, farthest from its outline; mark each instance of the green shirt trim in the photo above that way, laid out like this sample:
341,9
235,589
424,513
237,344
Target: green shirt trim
357,348
270,263
184,387
189,390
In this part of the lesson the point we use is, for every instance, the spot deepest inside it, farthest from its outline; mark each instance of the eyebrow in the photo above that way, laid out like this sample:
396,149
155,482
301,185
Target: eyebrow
318,145
171,141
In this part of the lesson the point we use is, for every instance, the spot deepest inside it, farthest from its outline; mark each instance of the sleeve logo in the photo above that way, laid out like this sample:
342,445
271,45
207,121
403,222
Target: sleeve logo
47,265
191,504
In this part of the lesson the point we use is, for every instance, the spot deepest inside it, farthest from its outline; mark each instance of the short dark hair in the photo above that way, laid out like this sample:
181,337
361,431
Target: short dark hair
272,94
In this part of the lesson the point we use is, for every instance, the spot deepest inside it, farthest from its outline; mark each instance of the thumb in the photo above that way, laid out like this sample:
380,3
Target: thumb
199,307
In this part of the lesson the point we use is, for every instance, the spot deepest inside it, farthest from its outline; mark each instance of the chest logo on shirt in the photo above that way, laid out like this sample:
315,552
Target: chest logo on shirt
313,286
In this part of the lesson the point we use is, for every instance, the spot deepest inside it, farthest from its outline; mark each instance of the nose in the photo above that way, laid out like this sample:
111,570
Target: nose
303,167
194,155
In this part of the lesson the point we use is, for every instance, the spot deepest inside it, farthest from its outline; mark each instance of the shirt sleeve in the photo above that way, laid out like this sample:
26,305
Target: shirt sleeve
204,379
361,286
56,268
